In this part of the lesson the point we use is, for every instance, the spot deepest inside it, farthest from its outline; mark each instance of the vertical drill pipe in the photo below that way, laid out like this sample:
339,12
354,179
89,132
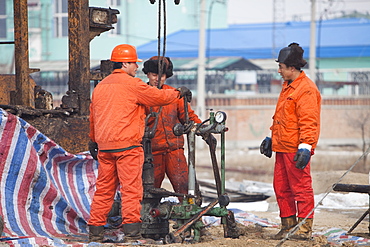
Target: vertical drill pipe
191,152
191,162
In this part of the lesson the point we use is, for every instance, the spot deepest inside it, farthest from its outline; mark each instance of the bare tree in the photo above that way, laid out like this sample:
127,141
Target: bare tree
362,123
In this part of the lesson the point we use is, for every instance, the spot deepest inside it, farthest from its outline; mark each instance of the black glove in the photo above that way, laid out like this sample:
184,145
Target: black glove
303,155
265,147
93,148
188,126
185,92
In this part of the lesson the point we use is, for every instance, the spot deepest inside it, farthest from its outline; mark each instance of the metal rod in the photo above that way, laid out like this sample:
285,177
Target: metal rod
222,162
358,221
358,188
191,162
195,218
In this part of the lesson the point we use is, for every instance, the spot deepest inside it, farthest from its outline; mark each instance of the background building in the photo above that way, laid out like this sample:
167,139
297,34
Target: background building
48,33
342,59
241,72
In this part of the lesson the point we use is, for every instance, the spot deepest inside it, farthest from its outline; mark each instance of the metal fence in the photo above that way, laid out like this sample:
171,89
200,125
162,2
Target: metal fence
225,83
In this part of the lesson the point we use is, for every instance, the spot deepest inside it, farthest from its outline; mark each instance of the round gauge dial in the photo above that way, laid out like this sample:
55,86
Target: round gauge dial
220,117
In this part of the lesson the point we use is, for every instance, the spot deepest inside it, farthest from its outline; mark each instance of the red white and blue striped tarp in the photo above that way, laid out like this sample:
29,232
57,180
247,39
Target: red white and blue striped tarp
45,191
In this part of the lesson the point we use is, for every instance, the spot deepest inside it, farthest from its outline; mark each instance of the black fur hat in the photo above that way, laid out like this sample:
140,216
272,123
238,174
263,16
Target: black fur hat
151,65
292,56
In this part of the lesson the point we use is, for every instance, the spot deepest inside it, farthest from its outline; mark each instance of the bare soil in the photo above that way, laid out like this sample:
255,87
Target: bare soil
250,165
253,236
326,171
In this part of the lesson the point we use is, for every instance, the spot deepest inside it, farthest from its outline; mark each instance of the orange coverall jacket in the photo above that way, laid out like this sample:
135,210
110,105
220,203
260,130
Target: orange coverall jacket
164,138
118,120
168,151
297,115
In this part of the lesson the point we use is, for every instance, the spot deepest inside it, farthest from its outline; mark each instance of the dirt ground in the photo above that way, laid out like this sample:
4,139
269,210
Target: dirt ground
328,167
325,219
256,236
329,171
326,171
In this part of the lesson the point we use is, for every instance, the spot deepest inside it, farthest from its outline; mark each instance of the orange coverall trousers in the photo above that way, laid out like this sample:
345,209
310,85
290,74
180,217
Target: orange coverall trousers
172,163
120,168
293,187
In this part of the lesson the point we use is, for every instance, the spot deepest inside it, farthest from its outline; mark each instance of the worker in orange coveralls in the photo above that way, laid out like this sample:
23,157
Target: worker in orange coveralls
117,114
295,133
168,149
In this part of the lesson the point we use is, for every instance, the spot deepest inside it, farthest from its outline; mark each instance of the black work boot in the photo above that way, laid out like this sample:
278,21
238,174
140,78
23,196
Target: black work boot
96,234
132,232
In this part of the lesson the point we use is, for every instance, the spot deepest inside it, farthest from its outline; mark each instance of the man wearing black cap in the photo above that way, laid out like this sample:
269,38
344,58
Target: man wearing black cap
168,149
295,133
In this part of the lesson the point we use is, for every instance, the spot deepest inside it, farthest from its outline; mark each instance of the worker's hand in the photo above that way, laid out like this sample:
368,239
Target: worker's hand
93,148
188,126
185,92
303,155
265,147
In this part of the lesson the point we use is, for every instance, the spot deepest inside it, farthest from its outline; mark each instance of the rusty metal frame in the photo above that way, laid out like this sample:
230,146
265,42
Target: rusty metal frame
23,94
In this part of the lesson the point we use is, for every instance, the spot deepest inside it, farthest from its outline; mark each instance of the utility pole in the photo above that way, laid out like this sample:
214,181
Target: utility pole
201,106
278,35
312,71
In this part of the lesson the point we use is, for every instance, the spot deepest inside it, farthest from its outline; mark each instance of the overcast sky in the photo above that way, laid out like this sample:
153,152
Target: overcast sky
261,11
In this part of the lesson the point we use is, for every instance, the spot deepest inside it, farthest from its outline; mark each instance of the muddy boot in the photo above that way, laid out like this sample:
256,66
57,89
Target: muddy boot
305,231
287,223
132,232
96,234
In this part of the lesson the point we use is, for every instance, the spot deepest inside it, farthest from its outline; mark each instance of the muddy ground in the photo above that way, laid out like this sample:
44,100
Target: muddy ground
329,167
325,219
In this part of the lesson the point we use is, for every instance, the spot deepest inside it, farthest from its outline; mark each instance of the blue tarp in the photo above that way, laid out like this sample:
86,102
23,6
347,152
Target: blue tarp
45,191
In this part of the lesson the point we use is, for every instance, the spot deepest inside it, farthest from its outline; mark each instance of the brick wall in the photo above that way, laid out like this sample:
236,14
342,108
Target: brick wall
249,119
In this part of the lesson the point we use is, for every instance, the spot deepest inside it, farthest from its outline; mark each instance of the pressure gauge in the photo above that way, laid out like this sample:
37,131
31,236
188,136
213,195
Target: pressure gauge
220,117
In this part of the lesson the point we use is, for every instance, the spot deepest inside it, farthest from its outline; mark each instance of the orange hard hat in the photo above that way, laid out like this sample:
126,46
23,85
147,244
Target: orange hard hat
124,53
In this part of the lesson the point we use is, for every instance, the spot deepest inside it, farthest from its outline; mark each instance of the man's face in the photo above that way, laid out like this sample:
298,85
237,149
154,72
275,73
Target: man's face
131,68
286,72
153,79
